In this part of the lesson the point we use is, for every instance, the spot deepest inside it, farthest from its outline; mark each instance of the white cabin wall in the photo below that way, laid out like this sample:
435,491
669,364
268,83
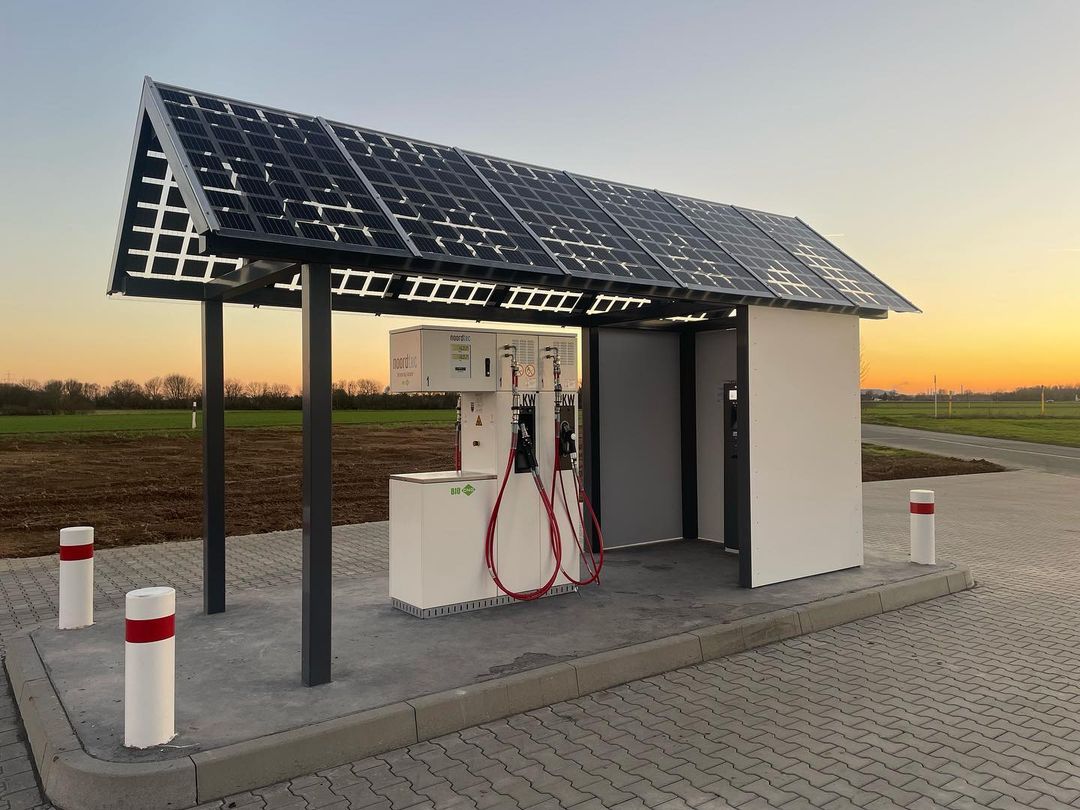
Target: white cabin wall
805,451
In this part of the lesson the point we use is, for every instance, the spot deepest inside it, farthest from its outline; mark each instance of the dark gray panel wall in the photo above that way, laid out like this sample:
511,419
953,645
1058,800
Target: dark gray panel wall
640,465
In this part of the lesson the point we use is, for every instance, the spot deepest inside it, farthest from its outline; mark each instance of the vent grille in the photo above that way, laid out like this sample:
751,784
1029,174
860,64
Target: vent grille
476,604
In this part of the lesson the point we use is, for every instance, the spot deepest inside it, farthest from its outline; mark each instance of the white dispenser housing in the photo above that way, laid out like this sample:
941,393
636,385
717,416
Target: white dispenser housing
438,520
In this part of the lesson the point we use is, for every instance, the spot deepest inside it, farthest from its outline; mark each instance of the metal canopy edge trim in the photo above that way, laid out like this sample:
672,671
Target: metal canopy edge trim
277,297
199,208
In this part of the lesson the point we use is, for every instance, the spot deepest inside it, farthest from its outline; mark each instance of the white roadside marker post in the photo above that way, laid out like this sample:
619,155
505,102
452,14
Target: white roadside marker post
149,667
194,408
76,599
923,539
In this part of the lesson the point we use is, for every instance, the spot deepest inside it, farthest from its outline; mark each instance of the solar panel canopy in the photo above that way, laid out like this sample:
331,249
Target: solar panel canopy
585,239
680,246
828,261
217,185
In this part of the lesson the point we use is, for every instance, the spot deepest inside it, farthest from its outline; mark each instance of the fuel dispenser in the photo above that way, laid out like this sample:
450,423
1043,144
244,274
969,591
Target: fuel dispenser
507,524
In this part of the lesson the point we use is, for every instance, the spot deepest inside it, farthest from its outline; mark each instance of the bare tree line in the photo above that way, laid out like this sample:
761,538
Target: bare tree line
180,391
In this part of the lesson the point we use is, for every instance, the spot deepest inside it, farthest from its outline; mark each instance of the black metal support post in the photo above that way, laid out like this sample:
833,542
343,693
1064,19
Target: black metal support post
688,432
213,437
318,548
742,365
590,410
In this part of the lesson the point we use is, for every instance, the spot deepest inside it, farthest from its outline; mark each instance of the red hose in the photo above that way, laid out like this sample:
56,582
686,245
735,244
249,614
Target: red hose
457,438
583,497
593,563
489,540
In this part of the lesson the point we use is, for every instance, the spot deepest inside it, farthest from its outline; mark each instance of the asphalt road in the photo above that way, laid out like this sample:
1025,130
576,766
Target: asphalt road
1049,458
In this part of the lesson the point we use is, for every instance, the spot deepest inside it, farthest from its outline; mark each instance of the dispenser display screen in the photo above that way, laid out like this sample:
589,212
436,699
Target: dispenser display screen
461,356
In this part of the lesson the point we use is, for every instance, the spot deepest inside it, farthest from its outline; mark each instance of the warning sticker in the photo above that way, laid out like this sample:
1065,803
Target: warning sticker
479,421
530,369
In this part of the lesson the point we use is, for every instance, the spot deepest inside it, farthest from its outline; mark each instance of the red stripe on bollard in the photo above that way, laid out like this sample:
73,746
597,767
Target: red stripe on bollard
143,631
83,552
922,508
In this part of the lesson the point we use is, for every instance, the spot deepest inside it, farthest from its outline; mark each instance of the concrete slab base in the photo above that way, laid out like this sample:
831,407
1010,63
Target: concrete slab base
245,721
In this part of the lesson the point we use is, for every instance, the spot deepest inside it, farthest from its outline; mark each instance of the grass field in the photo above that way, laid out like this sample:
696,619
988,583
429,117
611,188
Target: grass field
177,421
1020,421
1003,420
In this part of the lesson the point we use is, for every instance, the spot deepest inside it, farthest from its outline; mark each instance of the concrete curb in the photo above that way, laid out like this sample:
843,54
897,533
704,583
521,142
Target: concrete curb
606,669
71,778
263,761
74,780
456,709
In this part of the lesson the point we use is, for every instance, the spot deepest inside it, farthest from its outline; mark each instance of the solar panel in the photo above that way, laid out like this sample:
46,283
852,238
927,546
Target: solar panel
680,246
782,273
586,240
269,173
161,241
853,280
443,205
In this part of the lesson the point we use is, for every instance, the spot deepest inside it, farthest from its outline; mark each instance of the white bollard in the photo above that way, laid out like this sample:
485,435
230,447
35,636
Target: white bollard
149,667
76,600
923,539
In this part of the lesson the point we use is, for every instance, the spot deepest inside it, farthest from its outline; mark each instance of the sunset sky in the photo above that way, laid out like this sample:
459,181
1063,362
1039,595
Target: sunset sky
938,143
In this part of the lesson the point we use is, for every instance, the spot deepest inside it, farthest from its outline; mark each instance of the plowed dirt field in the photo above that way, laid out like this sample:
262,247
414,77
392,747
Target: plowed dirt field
146,488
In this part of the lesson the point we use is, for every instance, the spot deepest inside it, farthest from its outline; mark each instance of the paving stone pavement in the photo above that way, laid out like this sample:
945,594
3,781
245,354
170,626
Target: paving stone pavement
968,701
28,585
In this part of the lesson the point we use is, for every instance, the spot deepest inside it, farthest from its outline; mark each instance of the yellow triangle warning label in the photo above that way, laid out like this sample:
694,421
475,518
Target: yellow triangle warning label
479,422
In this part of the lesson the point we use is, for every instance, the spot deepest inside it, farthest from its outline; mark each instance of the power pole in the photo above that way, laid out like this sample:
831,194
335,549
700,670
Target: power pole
935,396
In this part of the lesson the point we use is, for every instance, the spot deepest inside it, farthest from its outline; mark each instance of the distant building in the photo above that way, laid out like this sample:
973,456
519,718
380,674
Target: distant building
877,394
